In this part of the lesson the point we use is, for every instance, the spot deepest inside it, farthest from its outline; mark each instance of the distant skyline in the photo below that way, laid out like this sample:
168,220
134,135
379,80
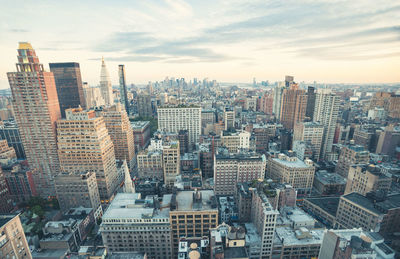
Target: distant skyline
328,41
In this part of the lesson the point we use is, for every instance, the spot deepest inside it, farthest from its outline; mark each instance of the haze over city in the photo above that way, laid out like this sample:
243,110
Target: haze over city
230,41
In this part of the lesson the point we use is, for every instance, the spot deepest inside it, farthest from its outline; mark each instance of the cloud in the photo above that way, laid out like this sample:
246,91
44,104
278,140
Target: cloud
18,30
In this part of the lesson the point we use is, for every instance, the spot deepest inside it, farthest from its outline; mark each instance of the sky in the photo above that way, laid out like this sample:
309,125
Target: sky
328,41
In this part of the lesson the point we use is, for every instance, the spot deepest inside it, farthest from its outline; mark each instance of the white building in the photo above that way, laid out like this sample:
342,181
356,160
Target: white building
105,84
174,119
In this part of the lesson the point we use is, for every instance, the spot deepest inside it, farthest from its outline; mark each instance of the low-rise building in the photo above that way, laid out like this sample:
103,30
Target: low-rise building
150,164
366,178
323,209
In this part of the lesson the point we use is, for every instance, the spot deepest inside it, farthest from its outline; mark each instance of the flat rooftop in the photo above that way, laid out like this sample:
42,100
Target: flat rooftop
329,178
129,205
297,163
290,237
184,201
328,204
235,252
139,124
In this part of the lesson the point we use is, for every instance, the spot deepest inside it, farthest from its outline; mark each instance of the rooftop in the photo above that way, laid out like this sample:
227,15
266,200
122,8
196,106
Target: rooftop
329,178
185,201
328,204
139,124
235,252
295,163
5,218
290,237
129,205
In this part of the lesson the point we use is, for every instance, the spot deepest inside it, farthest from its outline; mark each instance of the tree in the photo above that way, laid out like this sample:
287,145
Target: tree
38,210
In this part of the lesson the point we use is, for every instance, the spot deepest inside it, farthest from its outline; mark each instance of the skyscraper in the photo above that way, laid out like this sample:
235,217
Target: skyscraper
105,84
85,145
122,87
36,109
326,113
69,85
293,106
5,199
121,133
276,108
310,102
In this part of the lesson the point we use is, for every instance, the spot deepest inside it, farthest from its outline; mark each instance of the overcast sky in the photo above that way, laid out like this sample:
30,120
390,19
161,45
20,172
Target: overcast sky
228,40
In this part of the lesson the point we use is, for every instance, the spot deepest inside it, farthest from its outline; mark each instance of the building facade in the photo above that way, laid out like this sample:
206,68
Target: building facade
105,84
69,85
312,133
36,109
13,240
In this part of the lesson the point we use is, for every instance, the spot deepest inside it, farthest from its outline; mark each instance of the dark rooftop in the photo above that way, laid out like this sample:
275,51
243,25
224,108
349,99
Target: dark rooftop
5,218
235,252
328,204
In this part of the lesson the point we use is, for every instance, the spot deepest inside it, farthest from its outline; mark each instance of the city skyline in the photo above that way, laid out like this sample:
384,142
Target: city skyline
326,41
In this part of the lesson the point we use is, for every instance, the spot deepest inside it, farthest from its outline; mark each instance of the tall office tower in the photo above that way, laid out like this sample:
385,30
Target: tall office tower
122,87
351,155
293,107
105,84
9,131
5,198
287,168
174,119
192,214
144,106
364,178
263,216
229,119
276,108
171,162
289,80
13,240
229,170
310,102
93,96
326,113
146,226
36,109
312,133
78,190
84,145
69,85
121,133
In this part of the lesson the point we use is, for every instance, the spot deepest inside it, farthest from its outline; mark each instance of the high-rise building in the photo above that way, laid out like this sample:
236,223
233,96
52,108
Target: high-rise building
287,168
13,240
312,133
78,190
146,225
293,106
171,162
326,113
231,169
363,178
229,119
351,155
9,131
120,131
5,199
183,137
93,96
192,214
310,102
69,85
19,178
266,103
141,134
264,217
122,88
277,103
105,84
144,106
174,119
289,80
84,145
36,109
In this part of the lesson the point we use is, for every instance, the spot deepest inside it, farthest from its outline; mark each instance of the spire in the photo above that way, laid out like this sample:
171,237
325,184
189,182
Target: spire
105,84
128,185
